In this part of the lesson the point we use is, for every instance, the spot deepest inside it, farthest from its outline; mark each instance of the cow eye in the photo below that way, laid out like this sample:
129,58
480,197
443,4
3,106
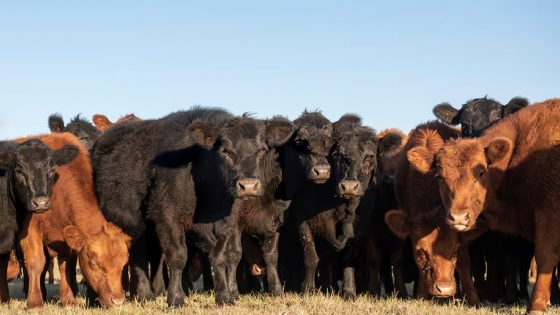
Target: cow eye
480,175
438,176
228,153
20,175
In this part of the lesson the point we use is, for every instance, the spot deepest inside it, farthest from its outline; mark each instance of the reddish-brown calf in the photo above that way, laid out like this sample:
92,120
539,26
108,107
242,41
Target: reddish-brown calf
73,225
512,175
437,248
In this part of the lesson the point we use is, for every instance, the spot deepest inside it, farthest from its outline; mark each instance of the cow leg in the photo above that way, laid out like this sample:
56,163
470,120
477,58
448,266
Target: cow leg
217,257
464,271
348,279
234,253
66,295
157,274
207,278
71,264
174,247
4,293
270,255
51,270
373,260
546,260
310,258
396,258
34,256
386,276
525,260
140,286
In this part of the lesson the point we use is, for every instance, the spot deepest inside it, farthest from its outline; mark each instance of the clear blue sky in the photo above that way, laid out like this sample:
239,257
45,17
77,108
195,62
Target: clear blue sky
390,62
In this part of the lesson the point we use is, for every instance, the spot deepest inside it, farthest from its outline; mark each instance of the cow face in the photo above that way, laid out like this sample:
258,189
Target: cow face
311,144
32,165
434,246
243,148
462,173
478,114
102,258
355,155
78,126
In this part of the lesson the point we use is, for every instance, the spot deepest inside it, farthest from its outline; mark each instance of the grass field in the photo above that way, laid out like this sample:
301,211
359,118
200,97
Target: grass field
261,304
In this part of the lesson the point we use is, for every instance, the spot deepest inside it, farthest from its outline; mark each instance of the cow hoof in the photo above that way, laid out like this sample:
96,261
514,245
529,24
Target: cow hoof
175,302
223,301
349,296
278,293
536,313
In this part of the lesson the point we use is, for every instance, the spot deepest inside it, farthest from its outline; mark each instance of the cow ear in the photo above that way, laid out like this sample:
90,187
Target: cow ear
447,113
397,220
66,154
514,105
421,159
56,124
74,237
203,134
7,149
101,122
389,143
278,131
498,149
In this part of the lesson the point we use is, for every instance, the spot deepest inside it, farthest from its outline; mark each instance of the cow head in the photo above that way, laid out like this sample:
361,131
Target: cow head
102,257
462,173
355,155
308,150
387,166
78,126
32,165
478,114
435,247
242,146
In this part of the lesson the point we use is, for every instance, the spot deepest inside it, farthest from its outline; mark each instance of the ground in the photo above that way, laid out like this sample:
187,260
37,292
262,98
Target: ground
261,304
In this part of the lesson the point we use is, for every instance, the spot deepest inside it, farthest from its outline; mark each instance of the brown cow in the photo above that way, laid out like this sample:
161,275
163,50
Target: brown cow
512,175
74,223
102,122
436,246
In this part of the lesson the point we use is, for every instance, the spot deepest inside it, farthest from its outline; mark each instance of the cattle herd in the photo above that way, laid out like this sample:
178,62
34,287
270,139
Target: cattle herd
150,206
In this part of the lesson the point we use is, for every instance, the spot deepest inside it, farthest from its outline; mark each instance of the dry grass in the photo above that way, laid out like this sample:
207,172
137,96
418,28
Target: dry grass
260,304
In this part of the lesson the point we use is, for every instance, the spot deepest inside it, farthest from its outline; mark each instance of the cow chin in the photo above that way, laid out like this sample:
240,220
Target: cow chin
461,227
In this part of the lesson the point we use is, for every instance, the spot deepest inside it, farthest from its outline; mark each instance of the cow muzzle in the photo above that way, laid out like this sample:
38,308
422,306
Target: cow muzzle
459,220
443,289
321,173
40,204
350,188
248,187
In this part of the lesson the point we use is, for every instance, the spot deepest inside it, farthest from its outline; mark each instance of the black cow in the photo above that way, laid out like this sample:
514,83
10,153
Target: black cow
26,182
475,116
122,160
210,196
329,211
78,126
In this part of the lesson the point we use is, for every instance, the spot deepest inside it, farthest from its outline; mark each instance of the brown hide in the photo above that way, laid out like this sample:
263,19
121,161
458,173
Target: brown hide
437,248
512,175
73,225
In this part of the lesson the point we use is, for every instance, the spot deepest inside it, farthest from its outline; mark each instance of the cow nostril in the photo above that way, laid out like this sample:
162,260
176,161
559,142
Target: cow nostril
241,186
356,187
35,204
